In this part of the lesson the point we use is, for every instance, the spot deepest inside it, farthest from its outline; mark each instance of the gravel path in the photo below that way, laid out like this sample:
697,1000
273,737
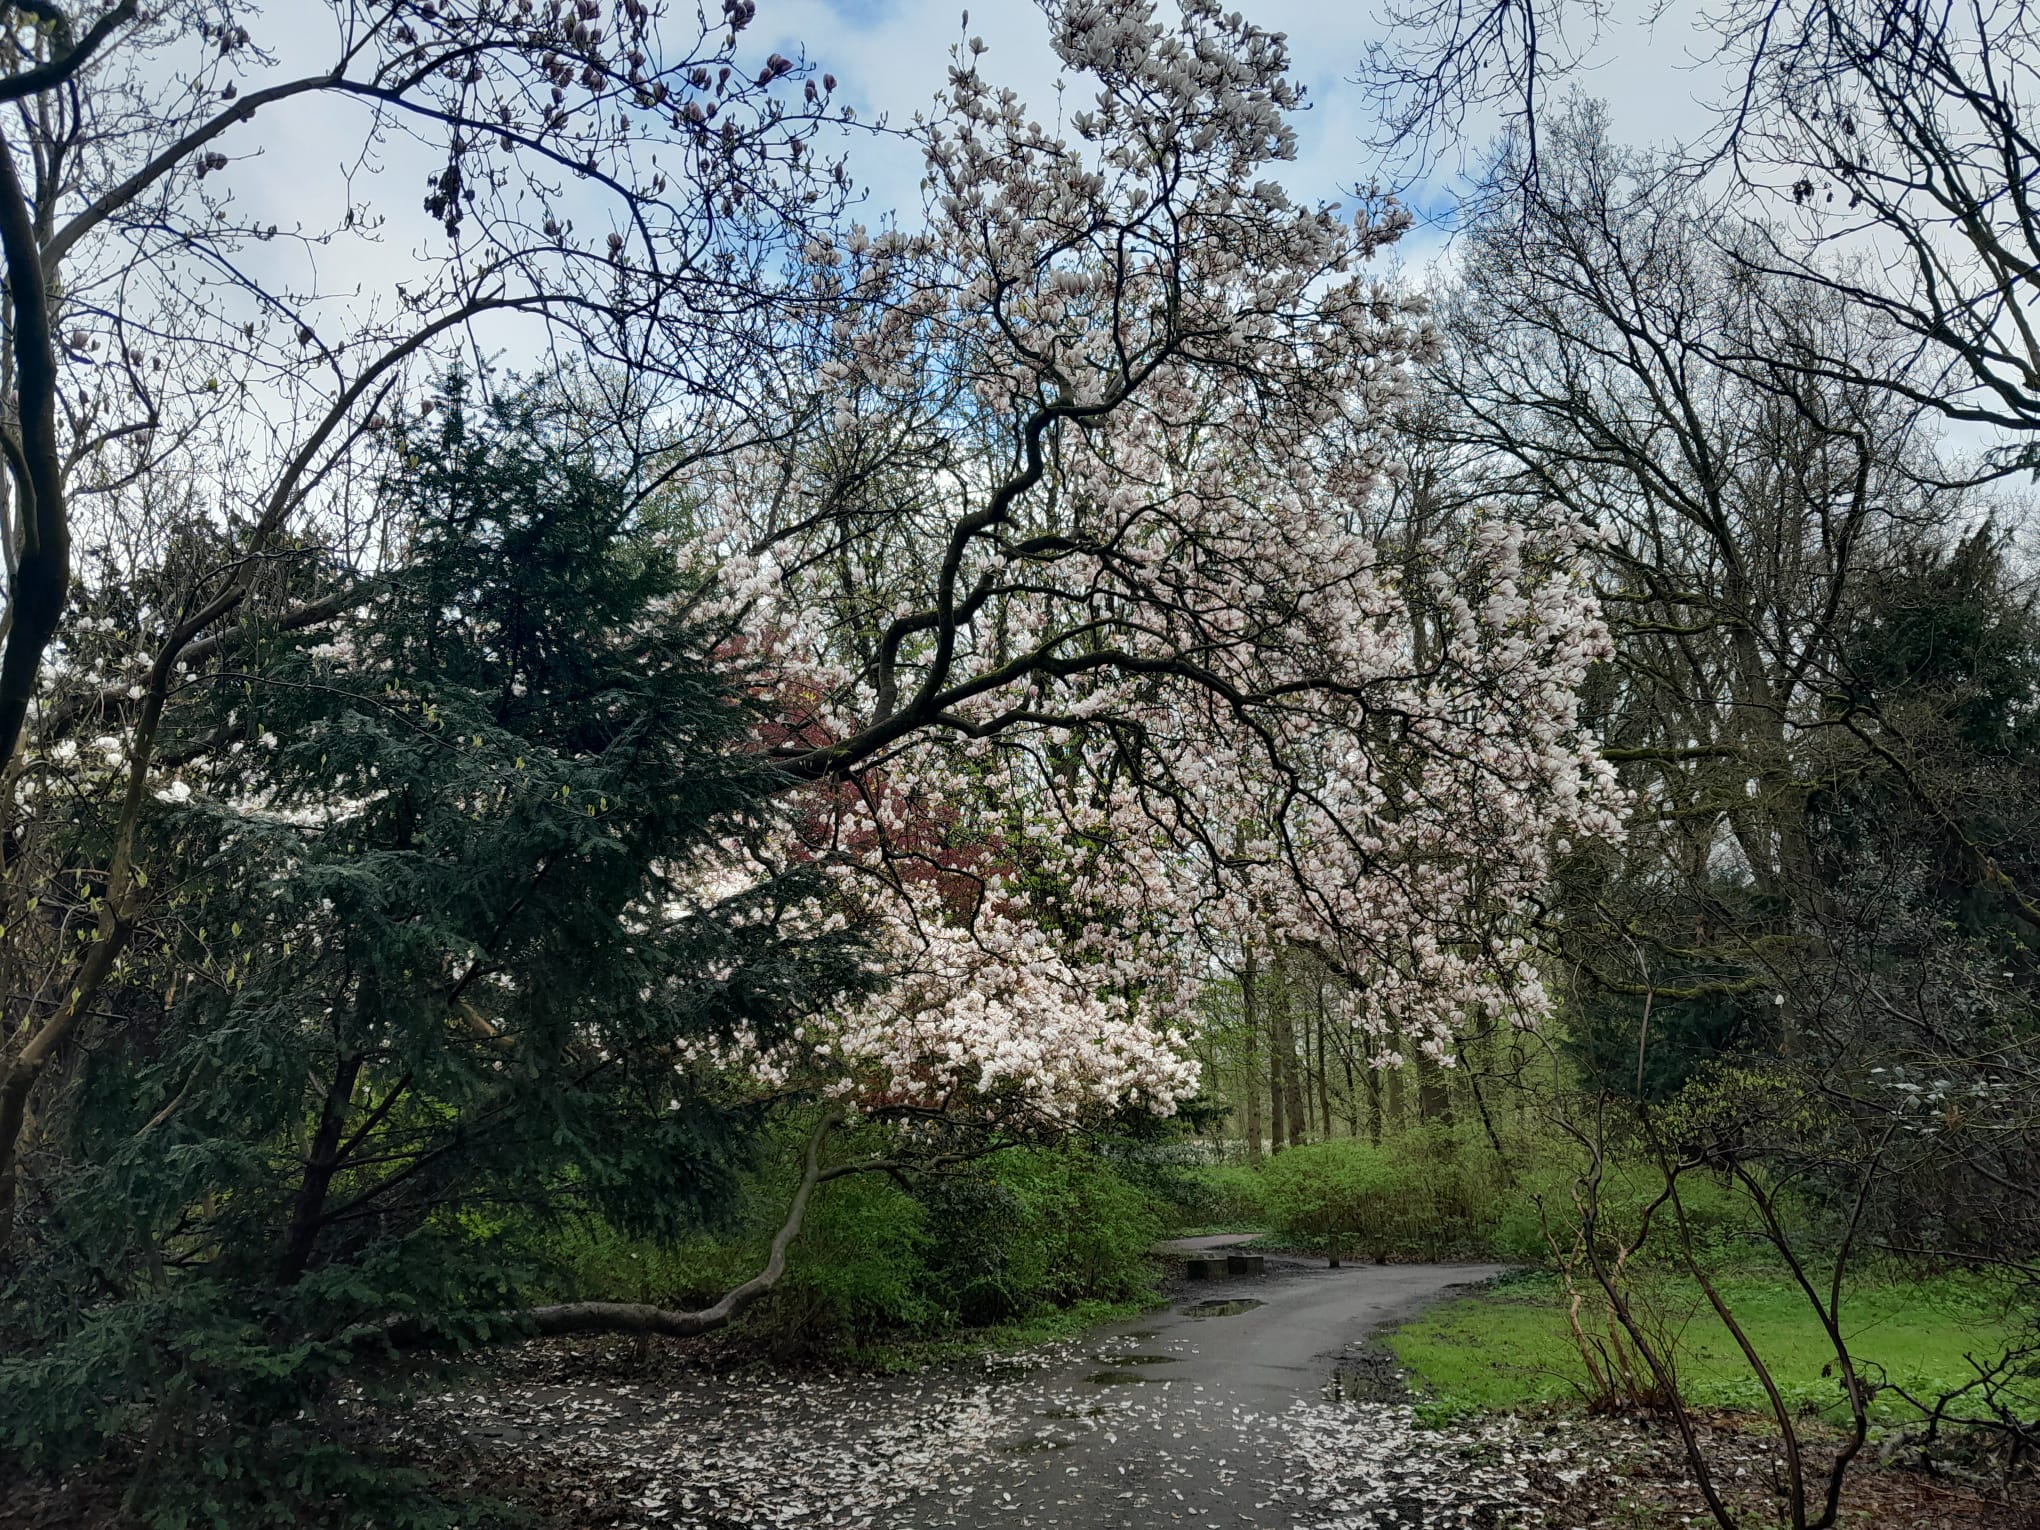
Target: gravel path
1212,1414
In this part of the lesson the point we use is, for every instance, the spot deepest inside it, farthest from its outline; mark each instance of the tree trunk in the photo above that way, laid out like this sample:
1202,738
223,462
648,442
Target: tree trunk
1282,1038
1434,1099
321,1163
42,572
1396,1121
1352,1097
1324,1077
1278,1113
1251,1019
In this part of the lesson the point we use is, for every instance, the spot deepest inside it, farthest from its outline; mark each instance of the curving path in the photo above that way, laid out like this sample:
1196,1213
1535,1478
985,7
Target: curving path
1224,1420
1217,1413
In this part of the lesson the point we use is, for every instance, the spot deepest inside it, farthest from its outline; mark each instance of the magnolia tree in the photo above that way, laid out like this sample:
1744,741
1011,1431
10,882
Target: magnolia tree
1073,562
1036,544
1075,652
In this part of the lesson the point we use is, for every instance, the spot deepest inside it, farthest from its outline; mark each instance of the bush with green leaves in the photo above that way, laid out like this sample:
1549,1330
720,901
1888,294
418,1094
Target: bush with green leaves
1023,1231
977,1246
1220,1195
1425,1193
862,1272
1547,1202
1084,1231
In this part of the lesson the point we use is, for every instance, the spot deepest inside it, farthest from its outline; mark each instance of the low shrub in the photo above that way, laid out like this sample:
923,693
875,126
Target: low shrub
1219,1195
858,1269
976,1243
1024,1231
861,1270
1085,1229
1423,1194
1439,1192
1546,1199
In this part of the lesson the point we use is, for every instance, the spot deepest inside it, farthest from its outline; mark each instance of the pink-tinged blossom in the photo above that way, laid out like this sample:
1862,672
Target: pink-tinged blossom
1068,589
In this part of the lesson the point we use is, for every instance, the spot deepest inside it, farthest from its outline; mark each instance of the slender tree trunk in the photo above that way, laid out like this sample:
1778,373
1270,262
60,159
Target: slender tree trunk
1519,1062
1324,1076
1396,1122
1352,1098
321,1163
1282,1037
1434,1099
1278,1116
1251,1020
1278,1047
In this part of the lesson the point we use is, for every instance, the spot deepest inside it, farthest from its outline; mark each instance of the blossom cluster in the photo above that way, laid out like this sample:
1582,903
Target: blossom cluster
1073,590
1083,643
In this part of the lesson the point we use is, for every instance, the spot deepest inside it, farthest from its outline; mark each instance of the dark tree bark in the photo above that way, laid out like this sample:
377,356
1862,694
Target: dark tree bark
1251,1020
1288,1083
322,1161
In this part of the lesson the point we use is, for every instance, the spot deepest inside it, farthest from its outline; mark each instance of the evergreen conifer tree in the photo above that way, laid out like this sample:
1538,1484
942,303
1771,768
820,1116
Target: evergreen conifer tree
433,961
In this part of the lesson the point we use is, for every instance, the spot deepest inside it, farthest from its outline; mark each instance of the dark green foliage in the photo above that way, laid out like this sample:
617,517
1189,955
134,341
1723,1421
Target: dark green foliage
1607,1039
1024,1231
974,1253
1952,626
427,953
1941,674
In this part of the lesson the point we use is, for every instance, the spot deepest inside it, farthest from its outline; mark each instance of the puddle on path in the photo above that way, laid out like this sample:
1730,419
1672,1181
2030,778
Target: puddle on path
1349,1387
1136,1359
1067,1413
1222,1309
1119,1379
1038,1445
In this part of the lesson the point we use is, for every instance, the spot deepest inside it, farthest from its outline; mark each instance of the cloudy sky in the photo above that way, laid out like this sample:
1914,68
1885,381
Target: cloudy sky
892,55
298,164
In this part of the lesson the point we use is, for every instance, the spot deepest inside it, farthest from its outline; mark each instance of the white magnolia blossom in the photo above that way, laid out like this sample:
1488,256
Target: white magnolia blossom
994,1012
1078,628
1123,629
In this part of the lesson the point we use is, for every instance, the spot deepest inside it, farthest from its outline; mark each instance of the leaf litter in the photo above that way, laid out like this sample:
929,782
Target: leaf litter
1019,1441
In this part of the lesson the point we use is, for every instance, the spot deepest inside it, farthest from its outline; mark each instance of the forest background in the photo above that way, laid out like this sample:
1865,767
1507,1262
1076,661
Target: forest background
888,760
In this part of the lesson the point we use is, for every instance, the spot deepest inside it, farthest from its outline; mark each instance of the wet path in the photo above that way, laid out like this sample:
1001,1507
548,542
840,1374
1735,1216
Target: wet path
1215,1413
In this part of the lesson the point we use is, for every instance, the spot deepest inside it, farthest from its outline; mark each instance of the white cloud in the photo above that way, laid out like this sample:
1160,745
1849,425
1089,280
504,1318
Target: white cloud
891,56
298,164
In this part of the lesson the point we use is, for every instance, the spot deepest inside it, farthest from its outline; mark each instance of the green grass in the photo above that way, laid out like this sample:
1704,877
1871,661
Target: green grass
1508,1347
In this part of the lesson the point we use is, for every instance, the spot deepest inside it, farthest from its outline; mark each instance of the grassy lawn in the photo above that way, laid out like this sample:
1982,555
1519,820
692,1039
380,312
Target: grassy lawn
1508,1347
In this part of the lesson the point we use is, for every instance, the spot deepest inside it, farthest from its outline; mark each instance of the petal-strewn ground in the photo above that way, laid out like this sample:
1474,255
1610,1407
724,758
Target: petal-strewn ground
1215,1413
1253,1403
